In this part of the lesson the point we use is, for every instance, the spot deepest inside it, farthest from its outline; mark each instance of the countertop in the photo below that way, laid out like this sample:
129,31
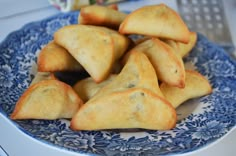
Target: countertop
14,14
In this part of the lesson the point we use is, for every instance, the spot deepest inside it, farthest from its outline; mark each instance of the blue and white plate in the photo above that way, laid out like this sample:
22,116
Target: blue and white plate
201,121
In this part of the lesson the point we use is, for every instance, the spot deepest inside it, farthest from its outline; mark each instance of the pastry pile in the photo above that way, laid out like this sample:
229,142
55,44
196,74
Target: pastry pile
133,83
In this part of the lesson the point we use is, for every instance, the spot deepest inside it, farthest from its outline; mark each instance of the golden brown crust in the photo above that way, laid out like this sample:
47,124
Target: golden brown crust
186,48
132,100
47,99
101,16
89,45
138,72
87,88
156,20
133,108
183,49
121,42
168,65
196,85
55,58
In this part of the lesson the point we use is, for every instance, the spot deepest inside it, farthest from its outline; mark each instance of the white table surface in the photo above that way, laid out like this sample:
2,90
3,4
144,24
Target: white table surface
14,14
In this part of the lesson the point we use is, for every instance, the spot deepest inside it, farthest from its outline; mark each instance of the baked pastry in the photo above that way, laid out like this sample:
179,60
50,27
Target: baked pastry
121,42
55,58
95,48
157,21
131,100
101,16
196,85
183,49
168,65
89,46
87,88
47,99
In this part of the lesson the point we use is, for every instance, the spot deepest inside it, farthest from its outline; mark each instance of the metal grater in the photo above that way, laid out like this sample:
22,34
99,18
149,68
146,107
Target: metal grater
208,18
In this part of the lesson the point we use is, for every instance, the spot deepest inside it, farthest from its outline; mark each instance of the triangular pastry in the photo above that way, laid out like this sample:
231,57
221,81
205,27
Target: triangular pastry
156,20
55,58
196,85
47,99
168,65
101,16
182,49
131,100
87,87
89,46
95,48
138,72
